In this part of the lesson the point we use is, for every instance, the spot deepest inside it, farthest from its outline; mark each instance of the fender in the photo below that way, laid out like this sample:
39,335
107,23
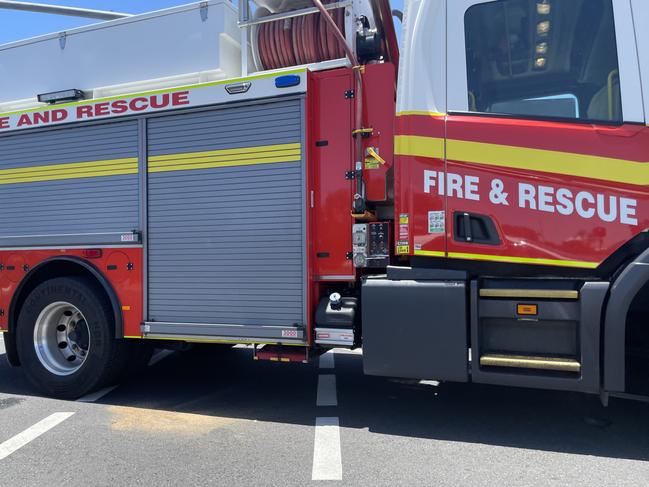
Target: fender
622,294
89,269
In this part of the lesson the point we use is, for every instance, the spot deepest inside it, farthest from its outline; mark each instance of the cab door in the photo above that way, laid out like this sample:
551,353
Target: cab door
546,146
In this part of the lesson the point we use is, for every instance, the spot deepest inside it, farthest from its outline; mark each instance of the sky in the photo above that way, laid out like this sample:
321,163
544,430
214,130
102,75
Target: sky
15,25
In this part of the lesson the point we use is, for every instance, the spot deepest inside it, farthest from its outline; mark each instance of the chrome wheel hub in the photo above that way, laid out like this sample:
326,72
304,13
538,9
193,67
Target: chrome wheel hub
61,338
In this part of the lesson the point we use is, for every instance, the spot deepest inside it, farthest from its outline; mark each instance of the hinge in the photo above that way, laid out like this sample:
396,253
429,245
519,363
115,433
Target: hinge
349,255
2,267
63,38
26,268
130,266
2,312
204,8
349,94
350,175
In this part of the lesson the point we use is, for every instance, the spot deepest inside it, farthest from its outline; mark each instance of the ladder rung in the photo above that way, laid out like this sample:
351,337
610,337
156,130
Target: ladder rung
525,362
530,293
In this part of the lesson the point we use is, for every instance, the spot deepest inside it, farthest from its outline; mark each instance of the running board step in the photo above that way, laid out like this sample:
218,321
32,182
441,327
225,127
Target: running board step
525,362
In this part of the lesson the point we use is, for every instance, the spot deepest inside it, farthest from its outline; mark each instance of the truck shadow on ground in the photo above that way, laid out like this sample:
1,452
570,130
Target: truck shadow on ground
231,385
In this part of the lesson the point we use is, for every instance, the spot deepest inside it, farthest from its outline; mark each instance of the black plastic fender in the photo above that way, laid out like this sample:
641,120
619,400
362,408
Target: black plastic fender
622,294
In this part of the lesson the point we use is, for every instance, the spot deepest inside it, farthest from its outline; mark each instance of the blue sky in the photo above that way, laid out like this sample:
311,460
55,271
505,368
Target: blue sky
21,25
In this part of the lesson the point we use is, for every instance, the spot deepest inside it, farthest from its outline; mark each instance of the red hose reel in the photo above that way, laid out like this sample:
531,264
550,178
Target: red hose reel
300,40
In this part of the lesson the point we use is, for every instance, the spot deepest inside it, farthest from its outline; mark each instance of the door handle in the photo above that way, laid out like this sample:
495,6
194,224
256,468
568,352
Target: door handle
474,228
467,227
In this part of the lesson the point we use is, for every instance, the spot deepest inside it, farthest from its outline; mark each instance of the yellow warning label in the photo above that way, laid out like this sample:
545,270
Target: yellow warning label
403,249
371,163
403,219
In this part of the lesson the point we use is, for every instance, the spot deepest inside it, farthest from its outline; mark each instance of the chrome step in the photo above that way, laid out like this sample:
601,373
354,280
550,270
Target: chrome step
530,293
528,362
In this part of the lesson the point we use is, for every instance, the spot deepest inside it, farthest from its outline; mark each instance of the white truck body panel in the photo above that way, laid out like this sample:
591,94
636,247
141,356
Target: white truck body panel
632,108
171,47
422,70
641,21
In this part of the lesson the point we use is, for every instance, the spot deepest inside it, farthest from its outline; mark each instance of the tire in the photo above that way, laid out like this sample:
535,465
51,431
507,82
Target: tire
66,338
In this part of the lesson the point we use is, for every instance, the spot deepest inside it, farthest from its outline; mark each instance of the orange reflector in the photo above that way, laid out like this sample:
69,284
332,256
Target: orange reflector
527,309
126,308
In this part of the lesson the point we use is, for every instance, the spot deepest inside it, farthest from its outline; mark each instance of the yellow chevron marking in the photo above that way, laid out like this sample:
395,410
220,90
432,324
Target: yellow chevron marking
248,156
524,158
74,170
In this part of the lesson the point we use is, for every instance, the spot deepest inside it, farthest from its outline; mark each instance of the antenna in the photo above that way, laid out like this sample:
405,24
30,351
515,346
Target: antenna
60,10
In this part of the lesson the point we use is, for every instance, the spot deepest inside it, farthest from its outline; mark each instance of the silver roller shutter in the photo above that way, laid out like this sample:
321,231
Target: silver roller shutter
76,180
226,216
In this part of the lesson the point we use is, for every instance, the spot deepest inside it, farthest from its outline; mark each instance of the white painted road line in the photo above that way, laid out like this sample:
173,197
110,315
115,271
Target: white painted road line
159,356
327,360
327,459
347,351
2,344
31,433
326,390
95,396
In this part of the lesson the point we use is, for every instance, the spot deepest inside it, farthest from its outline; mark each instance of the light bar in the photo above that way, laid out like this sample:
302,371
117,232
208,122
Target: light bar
59,96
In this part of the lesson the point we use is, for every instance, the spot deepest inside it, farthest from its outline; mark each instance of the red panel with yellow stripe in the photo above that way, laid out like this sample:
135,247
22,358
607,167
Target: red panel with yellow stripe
556,193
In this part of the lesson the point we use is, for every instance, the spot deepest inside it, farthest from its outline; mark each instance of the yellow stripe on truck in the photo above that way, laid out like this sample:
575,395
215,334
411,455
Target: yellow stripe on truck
413,145
73,170
523,260
248,156
524,158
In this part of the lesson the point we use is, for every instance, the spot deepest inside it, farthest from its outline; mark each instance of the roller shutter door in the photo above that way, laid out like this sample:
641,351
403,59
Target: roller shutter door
226,216
74,180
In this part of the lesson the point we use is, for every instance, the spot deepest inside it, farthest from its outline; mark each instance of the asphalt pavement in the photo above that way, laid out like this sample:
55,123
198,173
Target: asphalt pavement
224,419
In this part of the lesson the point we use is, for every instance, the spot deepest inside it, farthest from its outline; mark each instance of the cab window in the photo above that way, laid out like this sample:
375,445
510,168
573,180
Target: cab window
543,58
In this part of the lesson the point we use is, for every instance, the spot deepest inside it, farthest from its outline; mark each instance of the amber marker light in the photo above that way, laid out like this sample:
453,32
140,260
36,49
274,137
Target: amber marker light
527,309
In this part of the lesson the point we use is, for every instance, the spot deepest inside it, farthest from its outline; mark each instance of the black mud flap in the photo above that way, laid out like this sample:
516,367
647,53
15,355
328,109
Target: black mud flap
10,349
415,328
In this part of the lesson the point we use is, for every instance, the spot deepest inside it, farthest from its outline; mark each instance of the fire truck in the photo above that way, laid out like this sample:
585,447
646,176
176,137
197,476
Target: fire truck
468,201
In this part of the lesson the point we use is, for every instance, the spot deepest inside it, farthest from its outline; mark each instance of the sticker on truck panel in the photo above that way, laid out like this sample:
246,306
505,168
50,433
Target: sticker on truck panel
436,222
289,334
403,247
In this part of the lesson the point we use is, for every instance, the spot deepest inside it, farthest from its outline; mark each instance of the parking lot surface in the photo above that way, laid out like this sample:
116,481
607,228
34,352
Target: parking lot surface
222,418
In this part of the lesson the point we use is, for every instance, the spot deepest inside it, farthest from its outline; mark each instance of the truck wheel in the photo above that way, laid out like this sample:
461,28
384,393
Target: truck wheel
66,339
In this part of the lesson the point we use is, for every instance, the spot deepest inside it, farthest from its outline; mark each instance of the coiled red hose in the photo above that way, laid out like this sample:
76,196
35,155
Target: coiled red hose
301,40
